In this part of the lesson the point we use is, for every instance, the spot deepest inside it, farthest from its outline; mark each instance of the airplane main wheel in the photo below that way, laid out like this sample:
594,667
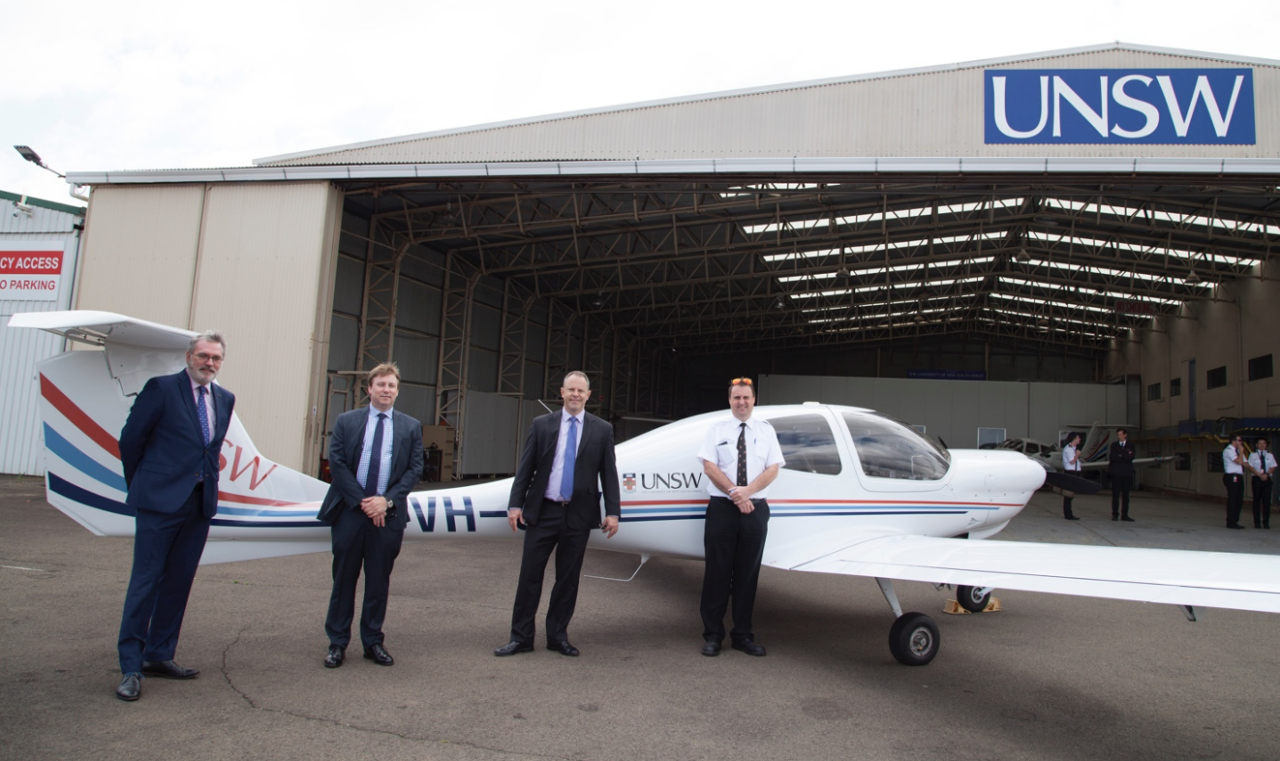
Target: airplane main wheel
914,639
972,599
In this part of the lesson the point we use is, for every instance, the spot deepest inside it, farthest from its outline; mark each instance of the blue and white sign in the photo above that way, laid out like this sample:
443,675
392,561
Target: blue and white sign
1120,106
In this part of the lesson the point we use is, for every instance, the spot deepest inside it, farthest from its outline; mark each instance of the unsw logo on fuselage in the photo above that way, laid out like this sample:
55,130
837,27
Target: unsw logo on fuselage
1120,106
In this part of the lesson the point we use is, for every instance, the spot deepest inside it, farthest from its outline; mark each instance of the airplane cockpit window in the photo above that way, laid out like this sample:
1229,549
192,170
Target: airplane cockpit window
890,449
808,446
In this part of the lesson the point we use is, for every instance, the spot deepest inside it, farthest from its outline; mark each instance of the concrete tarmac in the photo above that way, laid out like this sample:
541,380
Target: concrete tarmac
1048,677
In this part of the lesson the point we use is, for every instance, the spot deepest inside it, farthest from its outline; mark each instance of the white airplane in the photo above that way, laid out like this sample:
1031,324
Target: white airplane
861,495
1093,453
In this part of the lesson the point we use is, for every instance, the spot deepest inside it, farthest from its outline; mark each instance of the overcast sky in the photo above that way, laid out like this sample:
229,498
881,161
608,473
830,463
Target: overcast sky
169,84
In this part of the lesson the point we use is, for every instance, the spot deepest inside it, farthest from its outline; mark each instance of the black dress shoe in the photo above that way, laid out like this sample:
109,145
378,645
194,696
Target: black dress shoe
564,648
379,655
513,647
749,647
337,654
168,670
1235,525
1115,517
711,648
1071,517
130,688
1126,519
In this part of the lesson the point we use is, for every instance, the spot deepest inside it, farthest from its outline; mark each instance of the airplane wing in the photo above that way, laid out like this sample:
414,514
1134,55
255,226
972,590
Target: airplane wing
1175,577
1140,461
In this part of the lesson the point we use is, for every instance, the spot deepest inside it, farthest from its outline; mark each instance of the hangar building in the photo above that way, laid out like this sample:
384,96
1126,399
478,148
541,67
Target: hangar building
1057,220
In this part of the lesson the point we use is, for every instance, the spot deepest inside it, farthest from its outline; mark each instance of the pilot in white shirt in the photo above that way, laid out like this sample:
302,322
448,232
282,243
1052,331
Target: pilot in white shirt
1071,464
1233,479
1263,465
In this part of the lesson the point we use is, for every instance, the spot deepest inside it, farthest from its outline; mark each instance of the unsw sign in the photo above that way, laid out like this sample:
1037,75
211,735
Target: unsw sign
1120,106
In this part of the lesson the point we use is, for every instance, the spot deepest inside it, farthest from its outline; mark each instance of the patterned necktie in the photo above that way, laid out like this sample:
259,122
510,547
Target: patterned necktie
202,413
375,459
742,455
570,455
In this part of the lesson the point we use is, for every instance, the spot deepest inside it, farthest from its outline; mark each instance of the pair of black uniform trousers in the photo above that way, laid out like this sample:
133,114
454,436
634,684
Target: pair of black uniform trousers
734,545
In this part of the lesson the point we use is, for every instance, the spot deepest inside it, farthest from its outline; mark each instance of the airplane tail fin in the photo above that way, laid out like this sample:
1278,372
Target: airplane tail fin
1095,444
85,398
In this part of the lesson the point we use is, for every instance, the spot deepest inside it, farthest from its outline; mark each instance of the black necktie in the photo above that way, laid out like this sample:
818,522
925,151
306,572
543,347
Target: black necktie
742,455
375,459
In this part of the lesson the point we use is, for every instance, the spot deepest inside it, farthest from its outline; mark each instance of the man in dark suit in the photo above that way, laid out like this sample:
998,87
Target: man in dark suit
375,459
567,459
1120,466
169,448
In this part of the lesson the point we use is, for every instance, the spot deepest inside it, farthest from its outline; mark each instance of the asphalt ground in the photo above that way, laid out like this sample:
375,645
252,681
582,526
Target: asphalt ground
1048,677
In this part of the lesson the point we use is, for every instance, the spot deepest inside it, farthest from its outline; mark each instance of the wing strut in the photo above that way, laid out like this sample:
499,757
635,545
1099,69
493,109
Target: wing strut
891,597
1189,611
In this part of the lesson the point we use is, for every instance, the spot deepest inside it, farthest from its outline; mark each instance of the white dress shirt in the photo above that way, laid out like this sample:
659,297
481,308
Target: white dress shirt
1261,461
1229,464
720,446
1069,458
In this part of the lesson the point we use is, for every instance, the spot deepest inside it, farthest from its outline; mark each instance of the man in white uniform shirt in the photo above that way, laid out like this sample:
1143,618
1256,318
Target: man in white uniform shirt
1233,479
1263,465
1071,464
737,517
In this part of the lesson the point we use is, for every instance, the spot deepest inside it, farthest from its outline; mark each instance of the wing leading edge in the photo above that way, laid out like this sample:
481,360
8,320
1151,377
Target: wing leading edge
1174,577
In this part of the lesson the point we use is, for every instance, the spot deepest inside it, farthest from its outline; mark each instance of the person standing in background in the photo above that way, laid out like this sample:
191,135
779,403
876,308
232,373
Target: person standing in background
1071,464
1233,478
1120,460
1263,465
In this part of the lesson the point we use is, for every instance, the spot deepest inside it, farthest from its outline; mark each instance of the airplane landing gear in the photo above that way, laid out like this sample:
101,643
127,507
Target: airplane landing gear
914,639
973,599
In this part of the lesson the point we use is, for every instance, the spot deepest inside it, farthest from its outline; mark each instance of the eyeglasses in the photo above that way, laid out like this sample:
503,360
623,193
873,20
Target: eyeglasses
214,358
740,382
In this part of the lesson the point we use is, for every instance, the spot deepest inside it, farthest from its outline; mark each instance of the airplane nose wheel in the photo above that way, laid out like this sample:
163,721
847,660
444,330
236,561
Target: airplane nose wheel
973,599
914,639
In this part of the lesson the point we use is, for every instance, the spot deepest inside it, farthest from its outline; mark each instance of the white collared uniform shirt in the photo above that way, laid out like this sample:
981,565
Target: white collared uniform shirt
720,446
1068,455
1262,461
1229,464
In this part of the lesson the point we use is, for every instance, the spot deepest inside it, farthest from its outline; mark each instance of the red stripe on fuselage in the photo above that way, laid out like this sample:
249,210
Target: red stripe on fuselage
62,403
244,500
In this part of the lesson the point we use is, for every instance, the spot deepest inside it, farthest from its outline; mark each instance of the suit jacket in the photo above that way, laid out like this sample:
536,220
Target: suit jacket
595,467
162,447
1120,459
345,448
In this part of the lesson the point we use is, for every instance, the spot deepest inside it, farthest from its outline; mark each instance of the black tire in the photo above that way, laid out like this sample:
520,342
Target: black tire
970,600
914,639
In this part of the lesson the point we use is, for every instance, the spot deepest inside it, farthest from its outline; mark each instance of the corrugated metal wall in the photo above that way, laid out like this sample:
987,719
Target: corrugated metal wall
21,443
257,261
931,113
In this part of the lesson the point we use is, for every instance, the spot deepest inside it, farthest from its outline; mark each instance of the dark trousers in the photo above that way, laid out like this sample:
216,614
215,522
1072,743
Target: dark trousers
551,532
1235,496
166,553
1066,507
1120,486
1261,502
734,544
358,543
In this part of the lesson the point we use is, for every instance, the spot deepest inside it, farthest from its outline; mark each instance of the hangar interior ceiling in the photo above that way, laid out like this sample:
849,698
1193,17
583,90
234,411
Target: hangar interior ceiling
1059,263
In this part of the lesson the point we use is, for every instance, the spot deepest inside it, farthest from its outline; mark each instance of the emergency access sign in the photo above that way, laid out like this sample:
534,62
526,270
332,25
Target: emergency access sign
31,271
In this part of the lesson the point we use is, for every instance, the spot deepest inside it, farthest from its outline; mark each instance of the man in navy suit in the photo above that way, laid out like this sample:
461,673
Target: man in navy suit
567,458
170,447
375,459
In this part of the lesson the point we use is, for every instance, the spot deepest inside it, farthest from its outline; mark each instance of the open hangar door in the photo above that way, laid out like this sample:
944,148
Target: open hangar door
662,288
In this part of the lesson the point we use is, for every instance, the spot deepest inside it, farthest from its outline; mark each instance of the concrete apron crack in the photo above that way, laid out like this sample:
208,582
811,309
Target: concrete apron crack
253,704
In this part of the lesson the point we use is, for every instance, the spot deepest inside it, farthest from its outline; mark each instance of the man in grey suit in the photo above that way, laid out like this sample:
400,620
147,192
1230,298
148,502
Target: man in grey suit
375,459
567,459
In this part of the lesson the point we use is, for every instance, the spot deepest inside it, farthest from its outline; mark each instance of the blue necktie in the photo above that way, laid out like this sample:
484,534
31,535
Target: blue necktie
375,459
203,414
570,454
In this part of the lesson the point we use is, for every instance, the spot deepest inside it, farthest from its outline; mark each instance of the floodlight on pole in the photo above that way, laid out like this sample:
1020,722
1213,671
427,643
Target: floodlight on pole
25,152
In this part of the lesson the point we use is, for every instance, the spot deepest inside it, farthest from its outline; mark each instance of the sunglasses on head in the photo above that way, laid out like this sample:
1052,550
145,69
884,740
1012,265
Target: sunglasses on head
740,382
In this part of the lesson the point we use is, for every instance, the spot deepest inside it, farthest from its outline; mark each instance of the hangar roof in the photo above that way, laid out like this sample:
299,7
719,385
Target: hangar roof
934,111
729,217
